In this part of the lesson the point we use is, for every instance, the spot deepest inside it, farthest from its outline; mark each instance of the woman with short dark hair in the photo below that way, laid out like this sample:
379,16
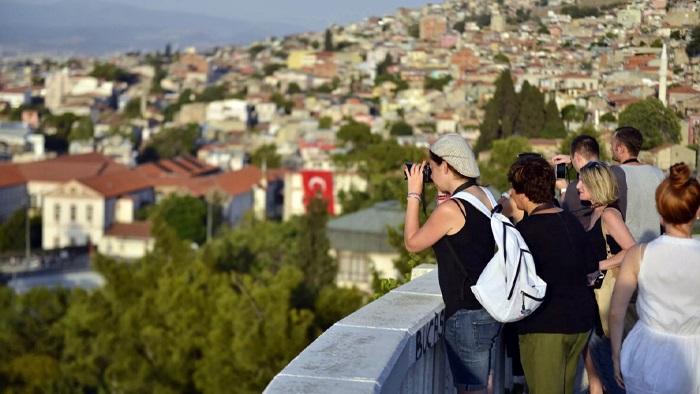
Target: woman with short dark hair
552,338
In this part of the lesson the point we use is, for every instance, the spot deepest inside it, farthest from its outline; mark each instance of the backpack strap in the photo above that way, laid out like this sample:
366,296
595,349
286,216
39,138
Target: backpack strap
472,199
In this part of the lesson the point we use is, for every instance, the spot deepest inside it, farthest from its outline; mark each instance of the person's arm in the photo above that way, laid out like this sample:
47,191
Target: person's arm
615,226
625,285
441,220
561,184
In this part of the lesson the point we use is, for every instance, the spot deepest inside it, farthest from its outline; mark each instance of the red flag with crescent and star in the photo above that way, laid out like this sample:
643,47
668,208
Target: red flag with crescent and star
318,183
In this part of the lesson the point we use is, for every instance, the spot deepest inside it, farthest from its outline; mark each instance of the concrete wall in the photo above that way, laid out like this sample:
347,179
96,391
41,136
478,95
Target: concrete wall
392,345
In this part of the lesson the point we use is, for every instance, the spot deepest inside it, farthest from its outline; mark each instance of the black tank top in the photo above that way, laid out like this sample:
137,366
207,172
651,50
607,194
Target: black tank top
474,245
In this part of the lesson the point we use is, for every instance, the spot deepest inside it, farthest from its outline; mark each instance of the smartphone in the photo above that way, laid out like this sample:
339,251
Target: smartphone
561,170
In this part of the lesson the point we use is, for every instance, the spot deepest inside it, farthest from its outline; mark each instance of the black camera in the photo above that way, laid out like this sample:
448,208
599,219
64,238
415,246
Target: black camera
599,280
561,170
426,172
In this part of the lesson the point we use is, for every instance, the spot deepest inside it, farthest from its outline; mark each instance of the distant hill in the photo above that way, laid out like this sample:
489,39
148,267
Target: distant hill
91,27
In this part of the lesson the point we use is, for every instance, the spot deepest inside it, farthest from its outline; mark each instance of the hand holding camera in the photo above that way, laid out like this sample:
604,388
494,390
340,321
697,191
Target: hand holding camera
417,175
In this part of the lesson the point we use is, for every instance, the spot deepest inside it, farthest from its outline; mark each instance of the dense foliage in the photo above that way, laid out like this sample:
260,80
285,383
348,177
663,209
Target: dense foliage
226,318
658,124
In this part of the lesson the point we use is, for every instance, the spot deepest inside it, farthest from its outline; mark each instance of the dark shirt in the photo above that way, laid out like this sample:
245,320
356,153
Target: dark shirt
597,242
559,246
475,246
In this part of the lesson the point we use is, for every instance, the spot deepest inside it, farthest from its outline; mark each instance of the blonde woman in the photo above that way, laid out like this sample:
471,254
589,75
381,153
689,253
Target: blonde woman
608,236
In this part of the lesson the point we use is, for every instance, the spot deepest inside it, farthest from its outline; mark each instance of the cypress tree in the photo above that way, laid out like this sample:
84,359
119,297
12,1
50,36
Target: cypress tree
554,124
531,116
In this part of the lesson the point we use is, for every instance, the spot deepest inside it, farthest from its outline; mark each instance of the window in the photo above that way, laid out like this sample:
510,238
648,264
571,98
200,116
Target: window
88,213
353,266
72,241
72,213
57,212
56,242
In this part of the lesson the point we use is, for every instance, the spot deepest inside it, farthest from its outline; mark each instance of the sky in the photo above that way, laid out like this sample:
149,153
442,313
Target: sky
314,15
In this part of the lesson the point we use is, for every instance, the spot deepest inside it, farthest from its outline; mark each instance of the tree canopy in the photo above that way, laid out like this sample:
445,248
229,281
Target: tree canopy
226,318
658,124
693,47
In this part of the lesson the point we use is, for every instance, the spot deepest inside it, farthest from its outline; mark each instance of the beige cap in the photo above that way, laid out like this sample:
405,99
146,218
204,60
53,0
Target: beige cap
456,151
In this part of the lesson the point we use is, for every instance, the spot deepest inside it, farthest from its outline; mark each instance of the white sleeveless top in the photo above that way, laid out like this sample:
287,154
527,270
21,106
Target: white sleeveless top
662,352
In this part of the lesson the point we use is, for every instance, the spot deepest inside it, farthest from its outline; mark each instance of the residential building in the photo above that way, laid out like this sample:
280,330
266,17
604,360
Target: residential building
360,243
13,191
80,212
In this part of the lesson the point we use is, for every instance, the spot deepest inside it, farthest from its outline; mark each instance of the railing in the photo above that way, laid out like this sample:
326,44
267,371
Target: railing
392,345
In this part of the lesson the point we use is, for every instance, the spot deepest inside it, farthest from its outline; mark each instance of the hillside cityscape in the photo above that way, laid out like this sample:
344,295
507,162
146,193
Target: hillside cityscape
203,213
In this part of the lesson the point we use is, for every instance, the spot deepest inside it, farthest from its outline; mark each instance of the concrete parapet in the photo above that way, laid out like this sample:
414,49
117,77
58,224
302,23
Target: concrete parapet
392,345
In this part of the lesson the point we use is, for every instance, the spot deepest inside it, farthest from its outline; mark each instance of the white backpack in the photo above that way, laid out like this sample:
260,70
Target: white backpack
508,288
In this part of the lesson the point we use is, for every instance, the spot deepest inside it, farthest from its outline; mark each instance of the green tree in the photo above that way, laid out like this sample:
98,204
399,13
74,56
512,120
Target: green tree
254,50
657,123
501,58
459,26
692,49
413,30
132,109
13,232
326,122
436,83
270,68
31,338
63,123
608,117
268,154
328,41
503,153
83,131
554,125
531,115
657,43
110,72
293,88
401,128
573,113
186,215
501,113
173,142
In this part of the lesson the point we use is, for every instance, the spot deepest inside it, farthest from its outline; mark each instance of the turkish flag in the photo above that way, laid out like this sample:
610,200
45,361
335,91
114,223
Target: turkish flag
318,183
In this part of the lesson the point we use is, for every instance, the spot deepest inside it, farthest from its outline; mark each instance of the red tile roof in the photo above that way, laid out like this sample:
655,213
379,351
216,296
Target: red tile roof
117,184
67,167
141,230
10,175
238,182
186,166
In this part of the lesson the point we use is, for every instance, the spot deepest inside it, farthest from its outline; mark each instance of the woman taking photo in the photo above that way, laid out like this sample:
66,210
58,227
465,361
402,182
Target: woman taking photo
609,238
552,338
460,234
662,352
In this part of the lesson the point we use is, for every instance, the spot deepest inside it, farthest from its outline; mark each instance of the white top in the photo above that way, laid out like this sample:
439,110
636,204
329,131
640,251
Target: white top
662,352
641,217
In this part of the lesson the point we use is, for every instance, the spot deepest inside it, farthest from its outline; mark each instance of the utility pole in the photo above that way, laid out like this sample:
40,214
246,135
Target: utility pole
209,221
27,237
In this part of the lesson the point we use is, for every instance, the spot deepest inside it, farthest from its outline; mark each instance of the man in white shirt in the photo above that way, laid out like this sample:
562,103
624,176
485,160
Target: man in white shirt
641,216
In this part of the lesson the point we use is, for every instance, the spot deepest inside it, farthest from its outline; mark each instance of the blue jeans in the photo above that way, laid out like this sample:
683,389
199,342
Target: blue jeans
601,355
469,338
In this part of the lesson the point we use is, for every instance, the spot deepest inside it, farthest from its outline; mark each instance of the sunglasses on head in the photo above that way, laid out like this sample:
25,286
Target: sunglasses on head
529,155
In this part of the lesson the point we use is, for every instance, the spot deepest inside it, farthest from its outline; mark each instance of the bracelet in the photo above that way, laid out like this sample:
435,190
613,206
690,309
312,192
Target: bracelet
413,195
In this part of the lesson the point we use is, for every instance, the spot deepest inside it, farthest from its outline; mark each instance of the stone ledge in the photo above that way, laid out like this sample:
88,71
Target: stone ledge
372,349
